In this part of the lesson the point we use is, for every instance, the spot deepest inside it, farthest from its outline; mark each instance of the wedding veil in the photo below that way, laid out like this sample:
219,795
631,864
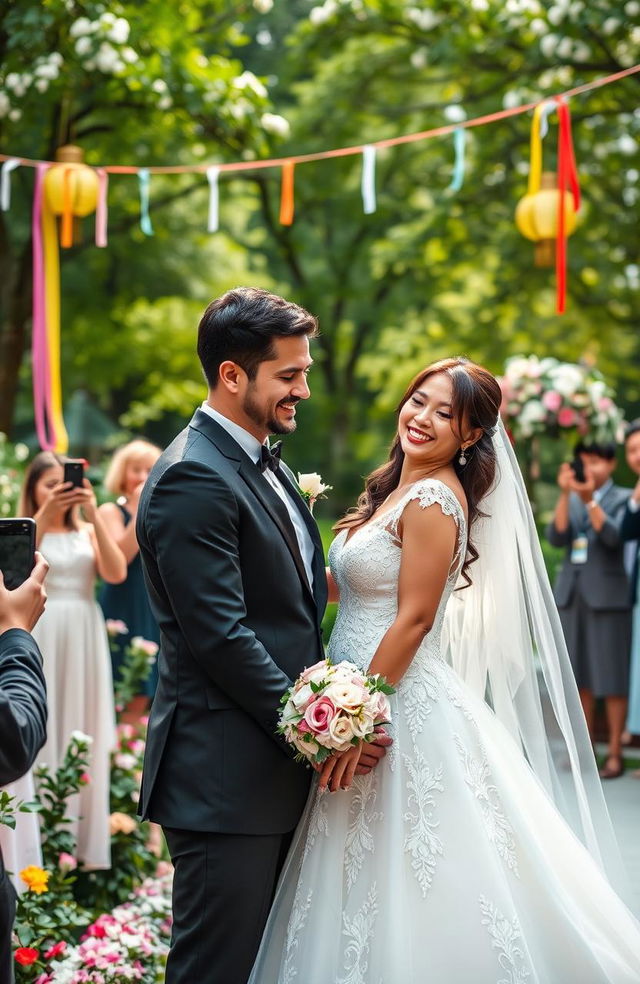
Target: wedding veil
503,636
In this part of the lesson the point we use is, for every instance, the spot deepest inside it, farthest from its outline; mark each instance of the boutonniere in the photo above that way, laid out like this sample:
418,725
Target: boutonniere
311,487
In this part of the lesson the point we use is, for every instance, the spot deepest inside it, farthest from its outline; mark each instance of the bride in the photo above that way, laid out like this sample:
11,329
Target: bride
479,851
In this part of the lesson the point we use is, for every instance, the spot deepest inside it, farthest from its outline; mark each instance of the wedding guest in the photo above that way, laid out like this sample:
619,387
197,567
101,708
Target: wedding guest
73,639
592,590
630,532
23,712
128,601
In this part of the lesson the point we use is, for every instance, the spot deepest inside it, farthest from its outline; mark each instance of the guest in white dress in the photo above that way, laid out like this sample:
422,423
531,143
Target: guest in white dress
73,640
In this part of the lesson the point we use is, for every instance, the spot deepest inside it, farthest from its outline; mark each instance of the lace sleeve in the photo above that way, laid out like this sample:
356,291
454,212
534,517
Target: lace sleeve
428,492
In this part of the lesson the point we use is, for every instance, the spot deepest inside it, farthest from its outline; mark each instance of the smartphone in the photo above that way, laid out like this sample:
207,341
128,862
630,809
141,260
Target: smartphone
17,550
577,468
74,472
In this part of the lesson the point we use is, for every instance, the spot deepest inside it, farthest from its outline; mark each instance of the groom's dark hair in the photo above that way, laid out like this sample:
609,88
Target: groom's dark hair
241,327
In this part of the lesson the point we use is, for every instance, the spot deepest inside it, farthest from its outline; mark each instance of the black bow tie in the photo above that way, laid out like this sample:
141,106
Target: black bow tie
270,457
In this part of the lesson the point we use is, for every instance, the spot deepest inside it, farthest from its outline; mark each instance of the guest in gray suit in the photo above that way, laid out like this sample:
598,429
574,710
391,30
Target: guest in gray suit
592,589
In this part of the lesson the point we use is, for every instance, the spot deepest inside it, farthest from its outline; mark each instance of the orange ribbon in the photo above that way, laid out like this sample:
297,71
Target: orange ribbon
286,194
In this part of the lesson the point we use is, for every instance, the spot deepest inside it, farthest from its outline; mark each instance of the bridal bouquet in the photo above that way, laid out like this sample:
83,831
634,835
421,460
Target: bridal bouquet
332,706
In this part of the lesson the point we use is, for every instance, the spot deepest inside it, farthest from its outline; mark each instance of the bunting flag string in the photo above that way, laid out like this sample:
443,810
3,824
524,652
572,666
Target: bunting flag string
237,166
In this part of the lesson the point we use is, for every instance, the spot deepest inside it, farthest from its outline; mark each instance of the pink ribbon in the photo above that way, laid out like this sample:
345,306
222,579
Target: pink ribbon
101,209
39,345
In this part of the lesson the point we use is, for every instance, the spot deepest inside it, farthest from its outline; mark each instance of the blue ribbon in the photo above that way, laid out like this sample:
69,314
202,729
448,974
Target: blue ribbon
145,219
459,141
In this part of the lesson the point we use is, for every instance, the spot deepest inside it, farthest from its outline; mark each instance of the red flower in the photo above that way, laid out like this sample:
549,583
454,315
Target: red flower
55,950
26,955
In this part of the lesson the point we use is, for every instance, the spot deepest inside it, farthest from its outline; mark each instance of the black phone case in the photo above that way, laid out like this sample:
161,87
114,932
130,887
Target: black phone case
74,472
17,549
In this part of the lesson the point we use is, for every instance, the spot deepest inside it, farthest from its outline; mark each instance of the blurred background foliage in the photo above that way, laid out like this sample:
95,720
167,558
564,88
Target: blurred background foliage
431,273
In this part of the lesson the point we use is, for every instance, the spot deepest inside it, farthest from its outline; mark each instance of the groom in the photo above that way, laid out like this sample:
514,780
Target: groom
235,572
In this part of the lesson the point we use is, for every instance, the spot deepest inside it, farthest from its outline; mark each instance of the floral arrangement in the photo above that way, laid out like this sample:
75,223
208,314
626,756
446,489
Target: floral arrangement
13,458
128,944
545,396
312,488
332,706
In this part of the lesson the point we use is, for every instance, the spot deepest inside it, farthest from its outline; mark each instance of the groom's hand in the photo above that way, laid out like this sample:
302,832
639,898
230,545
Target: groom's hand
373,751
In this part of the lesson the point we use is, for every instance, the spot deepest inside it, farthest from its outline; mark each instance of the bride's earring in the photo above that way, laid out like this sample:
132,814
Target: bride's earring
462,460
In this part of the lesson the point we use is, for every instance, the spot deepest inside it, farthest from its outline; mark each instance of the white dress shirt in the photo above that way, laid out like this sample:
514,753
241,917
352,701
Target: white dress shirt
251,446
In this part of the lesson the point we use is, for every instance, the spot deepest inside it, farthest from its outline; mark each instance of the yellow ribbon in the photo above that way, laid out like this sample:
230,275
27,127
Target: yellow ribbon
535,165
52,307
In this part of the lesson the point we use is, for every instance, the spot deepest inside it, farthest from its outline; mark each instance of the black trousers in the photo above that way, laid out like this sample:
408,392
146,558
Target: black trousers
7,915
223,887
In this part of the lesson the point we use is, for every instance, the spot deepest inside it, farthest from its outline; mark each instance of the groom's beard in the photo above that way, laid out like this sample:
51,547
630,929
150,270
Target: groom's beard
265,419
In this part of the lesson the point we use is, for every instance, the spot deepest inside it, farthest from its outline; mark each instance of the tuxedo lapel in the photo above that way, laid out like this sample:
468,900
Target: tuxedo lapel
277,510
319,577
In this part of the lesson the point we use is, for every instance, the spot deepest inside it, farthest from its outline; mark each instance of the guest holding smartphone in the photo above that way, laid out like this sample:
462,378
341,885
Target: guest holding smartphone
129,602
73,638
592,589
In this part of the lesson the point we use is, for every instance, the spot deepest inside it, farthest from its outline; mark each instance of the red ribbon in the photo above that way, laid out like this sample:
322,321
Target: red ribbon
567,175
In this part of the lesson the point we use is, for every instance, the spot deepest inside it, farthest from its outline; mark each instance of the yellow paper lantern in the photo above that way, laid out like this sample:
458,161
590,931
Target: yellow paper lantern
537,218
71,189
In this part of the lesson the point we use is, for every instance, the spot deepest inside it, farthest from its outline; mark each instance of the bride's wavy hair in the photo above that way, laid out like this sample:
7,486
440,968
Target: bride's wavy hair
475,402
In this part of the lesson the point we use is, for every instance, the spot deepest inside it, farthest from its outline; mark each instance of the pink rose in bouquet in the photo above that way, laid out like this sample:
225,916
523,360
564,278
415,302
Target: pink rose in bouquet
332,706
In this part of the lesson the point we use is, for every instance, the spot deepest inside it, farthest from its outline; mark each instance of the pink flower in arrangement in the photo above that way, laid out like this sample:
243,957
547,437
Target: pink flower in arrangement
44,979
605,403
319,715
85,779
116,627
304,727
67,862
567,417
552,400
56,950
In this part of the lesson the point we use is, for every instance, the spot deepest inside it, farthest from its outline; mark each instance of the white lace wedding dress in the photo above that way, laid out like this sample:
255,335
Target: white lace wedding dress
448,864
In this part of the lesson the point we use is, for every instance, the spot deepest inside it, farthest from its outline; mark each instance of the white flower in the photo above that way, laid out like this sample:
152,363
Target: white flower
611,25
82,26
125,761
320,15
129,55
42,85
455,113
81,738
12,80
248,81
83,45
106,58
632,8
159,85
120,31
341,732
165,102
302,697
273,123
311,484
263,6
15,115
424,19
548,45
565,48
46,71
532,412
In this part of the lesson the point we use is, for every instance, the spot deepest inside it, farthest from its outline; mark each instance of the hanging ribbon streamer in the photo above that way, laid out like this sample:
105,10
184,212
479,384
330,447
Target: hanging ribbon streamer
5,182
459,144
567,175
52,306
213,174
145,219
547,109
39,346
368,183
535,165
66,224
102,207
287,206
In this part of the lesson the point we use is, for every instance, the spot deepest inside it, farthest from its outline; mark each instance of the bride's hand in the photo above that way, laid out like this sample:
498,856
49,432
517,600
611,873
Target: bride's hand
338,771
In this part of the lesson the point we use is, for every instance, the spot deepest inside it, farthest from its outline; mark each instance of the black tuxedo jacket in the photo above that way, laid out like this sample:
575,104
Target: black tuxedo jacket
238,622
